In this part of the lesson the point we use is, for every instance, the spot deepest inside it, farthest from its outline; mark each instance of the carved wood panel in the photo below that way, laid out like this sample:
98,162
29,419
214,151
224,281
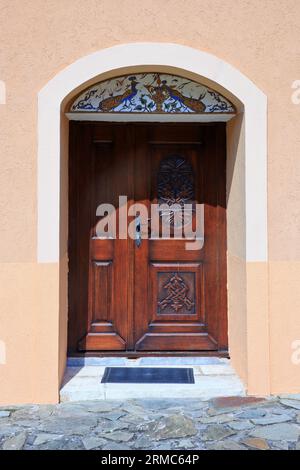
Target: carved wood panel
101,290
175,187
176,293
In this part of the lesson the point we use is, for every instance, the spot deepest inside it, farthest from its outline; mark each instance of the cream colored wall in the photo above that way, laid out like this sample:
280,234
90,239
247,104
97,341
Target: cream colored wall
236,246
258,38
248,316
29,330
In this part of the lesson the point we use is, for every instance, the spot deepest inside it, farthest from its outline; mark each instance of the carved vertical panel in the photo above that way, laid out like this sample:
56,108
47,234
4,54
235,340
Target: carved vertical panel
175,185
101,290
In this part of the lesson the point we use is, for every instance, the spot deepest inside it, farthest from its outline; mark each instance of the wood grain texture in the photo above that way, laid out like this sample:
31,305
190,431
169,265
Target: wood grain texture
159,297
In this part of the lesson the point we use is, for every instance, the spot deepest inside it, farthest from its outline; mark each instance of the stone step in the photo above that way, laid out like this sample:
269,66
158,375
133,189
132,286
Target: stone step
211,380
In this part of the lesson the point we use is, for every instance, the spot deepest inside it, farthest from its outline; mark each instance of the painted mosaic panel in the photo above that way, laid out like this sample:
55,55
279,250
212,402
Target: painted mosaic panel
151,93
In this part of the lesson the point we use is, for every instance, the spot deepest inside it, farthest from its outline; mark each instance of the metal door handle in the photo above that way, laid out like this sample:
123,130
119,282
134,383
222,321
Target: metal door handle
138,233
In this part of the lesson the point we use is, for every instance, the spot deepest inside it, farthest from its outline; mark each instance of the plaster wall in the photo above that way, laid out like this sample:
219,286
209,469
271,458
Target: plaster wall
42,38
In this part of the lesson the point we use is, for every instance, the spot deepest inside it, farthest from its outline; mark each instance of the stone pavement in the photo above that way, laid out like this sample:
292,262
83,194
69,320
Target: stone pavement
155,424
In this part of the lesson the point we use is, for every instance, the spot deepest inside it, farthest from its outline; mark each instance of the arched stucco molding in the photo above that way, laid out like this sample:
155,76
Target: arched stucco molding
156,54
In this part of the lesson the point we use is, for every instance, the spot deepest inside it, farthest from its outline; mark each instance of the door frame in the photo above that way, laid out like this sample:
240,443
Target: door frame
213,138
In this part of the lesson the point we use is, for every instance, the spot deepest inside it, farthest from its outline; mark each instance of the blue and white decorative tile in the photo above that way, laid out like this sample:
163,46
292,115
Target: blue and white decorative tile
151,93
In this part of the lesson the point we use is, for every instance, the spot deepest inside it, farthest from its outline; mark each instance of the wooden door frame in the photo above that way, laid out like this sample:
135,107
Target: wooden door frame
220,139
247,183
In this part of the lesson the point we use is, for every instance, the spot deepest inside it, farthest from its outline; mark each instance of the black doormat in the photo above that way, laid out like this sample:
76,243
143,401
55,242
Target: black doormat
148,375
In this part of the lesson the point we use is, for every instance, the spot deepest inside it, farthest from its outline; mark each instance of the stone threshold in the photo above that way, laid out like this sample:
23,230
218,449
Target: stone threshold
144,361
214,377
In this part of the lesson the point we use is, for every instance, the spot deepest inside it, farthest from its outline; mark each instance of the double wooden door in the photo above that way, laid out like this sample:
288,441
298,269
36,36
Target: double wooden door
146,293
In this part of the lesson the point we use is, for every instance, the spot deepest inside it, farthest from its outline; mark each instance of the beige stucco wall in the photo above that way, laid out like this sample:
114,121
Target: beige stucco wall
38,40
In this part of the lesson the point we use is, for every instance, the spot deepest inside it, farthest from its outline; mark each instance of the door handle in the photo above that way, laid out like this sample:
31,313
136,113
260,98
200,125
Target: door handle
138,233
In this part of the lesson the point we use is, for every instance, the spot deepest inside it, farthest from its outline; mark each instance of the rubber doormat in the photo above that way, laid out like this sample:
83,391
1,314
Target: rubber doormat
148,375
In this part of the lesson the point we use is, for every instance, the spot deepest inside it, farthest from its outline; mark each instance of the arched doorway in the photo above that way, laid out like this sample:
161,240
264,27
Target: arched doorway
150,291
246,182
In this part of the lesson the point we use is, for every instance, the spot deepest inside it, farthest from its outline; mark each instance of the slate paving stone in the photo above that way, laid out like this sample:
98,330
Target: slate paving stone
70,411
4,421
236,402
291,403
142,443
194,413
27,423
45,411
240,425
114,415
110,426
281,445
33,412
116,446
226,445
272,419
216,432
217,419
252,413
174,410
132,408
185,444
256,443
31,437
165,445
290,396
24,413
93,443
119,436
220,424
68,426
15,442
62,444
165,404
103,406
137,420
156,404
194,405
10,407
277,432
281,410
172,426
7,429
42,438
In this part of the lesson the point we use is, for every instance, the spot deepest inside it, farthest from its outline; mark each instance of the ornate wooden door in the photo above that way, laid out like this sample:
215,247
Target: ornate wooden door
148,294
